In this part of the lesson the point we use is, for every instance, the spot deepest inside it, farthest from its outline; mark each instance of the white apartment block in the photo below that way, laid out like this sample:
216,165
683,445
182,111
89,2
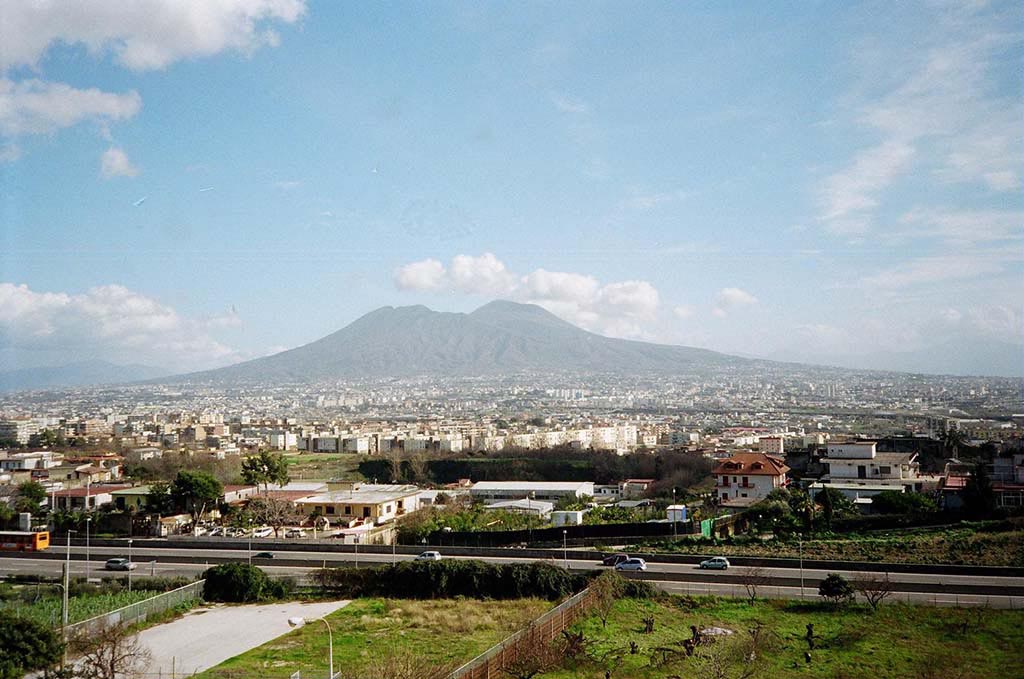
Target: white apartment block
18,431
858,470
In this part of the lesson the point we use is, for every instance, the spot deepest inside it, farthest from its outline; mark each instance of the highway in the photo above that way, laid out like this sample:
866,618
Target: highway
674,577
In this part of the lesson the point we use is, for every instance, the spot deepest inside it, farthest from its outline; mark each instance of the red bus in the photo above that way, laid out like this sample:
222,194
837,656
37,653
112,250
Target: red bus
24,541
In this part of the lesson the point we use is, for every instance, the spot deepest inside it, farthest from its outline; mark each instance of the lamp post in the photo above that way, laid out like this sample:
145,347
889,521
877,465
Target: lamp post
131,564
675,533
299,622
64,603
88,520
565,549
800,547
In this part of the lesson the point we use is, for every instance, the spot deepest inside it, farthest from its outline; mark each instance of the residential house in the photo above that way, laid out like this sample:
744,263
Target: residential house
746,478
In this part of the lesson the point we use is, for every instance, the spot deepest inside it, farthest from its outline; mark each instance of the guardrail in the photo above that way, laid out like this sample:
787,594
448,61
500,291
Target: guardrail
140,610
488,665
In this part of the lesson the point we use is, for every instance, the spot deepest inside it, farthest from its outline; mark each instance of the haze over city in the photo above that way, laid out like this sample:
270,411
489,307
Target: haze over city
835,183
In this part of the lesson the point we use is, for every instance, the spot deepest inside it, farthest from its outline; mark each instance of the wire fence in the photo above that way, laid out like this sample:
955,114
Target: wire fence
489,664
141,610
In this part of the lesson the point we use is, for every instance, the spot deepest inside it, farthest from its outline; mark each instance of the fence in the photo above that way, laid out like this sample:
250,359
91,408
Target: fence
140,610
488,664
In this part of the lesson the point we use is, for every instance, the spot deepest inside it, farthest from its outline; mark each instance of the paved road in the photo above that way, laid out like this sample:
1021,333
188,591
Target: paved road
197,641
670,570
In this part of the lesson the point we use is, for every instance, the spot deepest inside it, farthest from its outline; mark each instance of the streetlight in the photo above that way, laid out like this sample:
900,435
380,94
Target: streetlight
675,516
64,608
88,520
800,547
565,548
131,564
299,622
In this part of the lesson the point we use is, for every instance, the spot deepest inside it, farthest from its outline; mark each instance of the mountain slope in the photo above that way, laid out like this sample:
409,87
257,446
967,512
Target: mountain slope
498,337
76,375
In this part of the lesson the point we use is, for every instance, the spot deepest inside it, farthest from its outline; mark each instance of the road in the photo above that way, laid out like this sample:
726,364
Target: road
784,582
197,642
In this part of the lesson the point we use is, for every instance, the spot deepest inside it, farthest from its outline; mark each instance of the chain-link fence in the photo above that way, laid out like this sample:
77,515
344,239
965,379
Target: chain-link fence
140,610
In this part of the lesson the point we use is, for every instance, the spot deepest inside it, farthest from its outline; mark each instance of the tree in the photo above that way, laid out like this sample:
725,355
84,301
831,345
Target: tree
802,505
27,646
159,499
109,652
833,504
753,578
874,588
898,502
979,496
404,664
606,589
30,497
237,583
836,589
738,656
952,440
273,512
265,468
195,491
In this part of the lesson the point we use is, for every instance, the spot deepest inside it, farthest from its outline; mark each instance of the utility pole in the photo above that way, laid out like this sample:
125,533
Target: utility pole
88,521
800,546
64,606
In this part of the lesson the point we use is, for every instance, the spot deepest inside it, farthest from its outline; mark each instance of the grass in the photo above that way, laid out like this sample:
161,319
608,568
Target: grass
443,630
897,641
926,546
324,466
42,603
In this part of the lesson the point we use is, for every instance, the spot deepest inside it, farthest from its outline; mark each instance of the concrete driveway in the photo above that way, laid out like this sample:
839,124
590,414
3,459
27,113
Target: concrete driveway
206,637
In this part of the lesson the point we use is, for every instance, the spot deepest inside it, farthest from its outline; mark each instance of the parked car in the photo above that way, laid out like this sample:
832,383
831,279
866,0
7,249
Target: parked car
715,562
295,533
120,564
263,555
614,559
631,565
263,532
428,556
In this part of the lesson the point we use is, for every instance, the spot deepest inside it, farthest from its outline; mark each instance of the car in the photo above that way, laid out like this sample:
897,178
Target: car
428,556
715,562
614,559
120,564
295,533
263,532
633,564
263,555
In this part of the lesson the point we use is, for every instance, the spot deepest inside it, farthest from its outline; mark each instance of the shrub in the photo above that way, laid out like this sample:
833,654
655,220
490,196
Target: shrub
452,578
27,646
836,589
239,583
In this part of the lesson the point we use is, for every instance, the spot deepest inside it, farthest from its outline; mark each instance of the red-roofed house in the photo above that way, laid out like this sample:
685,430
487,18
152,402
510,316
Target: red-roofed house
746,478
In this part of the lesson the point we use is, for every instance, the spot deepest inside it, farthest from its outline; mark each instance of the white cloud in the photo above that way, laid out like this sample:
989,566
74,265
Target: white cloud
114,163
962,227
683,311
567,104
728,299
142,35
108,321
428,274
930,270
623,308
39,107
945,112
287,185
9,153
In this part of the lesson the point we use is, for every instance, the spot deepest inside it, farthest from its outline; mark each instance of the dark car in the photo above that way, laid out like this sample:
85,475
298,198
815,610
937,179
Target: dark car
263,555
614,559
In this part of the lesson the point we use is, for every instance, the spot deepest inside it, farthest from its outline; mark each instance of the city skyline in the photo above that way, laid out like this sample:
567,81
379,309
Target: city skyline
828,184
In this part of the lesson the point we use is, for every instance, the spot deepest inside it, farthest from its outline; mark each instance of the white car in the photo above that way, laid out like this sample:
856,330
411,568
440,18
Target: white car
715,562
295,533
631,565
263,532
120,564
428,556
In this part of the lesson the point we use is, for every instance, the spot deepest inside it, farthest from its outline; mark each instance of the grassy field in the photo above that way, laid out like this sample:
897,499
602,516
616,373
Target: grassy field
42,603
897,641
950,545
323,466
443,630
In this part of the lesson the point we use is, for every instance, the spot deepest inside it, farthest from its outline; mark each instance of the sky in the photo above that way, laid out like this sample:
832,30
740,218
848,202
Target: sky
187,185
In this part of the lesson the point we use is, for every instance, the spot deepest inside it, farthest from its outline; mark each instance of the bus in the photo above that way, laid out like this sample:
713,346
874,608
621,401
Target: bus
24,540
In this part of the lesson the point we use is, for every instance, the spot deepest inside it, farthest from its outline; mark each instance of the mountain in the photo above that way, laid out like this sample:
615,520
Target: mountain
500,337
76,375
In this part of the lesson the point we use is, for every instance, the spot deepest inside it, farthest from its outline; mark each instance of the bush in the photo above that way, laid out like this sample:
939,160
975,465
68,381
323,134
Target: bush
836,589
897,502
27,646
240,583
452,578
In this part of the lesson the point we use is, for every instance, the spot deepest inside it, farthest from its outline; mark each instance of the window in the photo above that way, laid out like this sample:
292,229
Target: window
746,482
885,470
348,510
330,509
725,480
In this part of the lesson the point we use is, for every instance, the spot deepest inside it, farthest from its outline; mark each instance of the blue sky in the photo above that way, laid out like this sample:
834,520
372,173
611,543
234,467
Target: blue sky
810,181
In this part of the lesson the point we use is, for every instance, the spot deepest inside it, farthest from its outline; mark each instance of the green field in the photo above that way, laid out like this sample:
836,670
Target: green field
444,631
42,603
942,545
897,641
324,466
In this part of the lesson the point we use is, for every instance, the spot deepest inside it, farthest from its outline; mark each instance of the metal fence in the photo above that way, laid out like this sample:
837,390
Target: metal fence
140,610
489,664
